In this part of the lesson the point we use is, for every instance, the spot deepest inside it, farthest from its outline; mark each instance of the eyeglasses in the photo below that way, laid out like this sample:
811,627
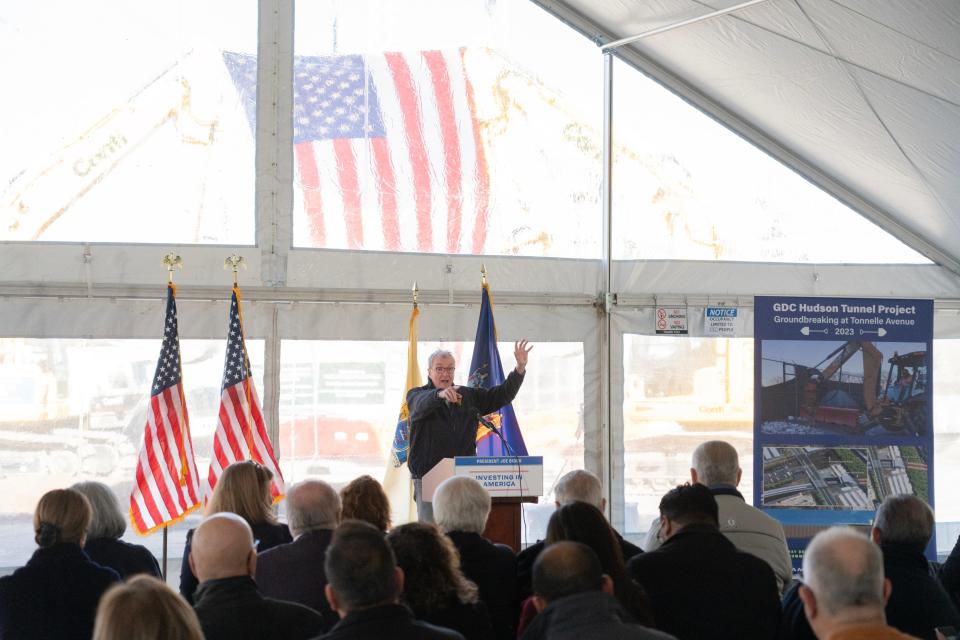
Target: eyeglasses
444,369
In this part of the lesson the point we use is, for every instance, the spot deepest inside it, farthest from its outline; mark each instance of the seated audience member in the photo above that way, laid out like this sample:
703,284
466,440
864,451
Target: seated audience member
918,603
949,574
433,586
578,485
55,595
845,591
243,489
145,609
227,602
364,587
107,525
461,507
364,499
584,523
699,584
717,466
575,600
294,571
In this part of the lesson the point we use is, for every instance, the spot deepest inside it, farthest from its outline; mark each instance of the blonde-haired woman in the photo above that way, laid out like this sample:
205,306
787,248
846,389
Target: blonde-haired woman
243,489
145,609
55,595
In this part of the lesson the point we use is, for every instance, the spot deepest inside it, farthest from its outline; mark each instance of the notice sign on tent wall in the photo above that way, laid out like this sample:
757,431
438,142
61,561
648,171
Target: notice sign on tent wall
671,320
843,403
720,321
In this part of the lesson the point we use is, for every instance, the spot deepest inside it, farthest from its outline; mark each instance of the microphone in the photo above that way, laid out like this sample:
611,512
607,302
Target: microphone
488,424
492,427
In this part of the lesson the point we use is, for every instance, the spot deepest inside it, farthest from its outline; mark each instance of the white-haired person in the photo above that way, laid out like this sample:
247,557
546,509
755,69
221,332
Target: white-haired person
55,595
844,591
443,415
461,507
107,526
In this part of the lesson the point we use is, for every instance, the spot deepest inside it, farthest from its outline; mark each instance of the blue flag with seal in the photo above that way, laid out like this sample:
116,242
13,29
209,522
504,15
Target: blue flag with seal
486,371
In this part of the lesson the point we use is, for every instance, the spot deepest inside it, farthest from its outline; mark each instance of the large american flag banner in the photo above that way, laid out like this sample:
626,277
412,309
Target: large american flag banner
388,150
166,485
241,433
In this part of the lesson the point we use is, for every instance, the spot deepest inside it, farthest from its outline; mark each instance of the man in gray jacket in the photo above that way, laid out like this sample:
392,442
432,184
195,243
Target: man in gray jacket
716,465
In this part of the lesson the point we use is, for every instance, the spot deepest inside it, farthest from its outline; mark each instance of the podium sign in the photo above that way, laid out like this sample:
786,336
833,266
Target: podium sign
504,476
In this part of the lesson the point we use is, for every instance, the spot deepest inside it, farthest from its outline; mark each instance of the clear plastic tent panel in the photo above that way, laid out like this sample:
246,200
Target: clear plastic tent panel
687,188
122,123
74,410
677,393
442,126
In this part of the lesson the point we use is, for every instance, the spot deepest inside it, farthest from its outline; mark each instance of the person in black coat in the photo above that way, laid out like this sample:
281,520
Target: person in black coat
227,601
107,526
433,586
578,485
949,574
294,571
364,589
243,489
461,507
574,599
443,416
55,595
918,604
699,584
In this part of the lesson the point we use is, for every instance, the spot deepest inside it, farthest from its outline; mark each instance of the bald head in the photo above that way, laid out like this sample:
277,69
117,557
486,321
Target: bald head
312,505
715,462
564,569
222,547
844,570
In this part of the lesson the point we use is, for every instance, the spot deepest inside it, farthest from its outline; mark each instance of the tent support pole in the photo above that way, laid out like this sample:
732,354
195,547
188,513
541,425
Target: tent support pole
608,464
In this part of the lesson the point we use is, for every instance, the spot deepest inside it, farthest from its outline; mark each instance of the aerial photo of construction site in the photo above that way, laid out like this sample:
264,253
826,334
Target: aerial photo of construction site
845,388
841,478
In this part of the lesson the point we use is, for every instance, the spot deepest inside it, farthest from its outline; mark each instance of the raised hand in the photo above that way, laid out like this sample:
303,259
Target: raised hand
521,351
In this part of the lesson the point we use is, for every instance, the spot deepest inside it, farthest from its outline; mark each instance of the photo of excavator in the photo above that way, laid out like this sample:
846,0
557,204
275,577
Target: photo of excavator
824,398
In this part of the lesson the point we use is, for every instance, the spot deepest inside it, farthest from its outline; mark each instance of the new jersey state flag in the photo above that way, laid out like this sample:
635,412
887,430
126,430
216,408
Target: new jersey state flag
486,371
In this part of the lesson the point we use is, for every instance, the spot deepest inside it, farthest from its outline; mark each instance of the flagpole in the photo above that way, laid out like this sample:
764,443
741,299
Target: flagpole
234,262
171,260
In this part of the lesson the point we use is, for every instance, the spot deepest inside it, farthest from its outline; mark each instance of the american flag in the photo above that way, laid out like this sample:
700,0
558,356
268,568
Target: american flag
241,434
166,485
388,150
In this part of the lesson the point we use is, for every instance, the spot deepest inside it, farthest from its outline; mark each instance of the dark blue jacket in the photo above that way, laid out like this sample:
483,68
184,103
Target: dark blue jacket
591,614
439,429
392,621
124,558
266,534
53,597
701,586
294,572
233,609
493,567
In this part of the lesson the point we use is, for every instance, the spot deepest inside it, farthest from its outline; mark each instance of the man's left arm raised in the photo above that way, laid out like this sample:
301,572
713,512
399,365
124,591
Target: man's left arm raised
489,400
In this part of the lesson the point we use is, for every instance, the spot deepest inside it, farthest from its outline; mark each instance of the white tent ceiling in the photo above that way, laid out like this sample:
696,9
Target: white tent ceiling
860,96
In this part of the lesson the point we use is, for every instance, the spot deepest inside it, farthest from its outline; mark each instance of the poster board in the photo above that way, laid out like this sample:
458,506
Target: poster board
843,407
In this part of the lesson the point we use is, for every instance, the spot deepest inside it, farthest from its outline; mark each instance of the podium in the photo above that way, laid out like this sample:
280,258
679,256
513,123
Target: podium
510,481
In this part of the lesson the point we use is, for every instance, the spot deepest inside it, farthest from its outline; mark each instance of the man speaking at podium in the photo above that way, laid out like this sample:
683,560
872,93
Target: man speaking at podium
444,417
